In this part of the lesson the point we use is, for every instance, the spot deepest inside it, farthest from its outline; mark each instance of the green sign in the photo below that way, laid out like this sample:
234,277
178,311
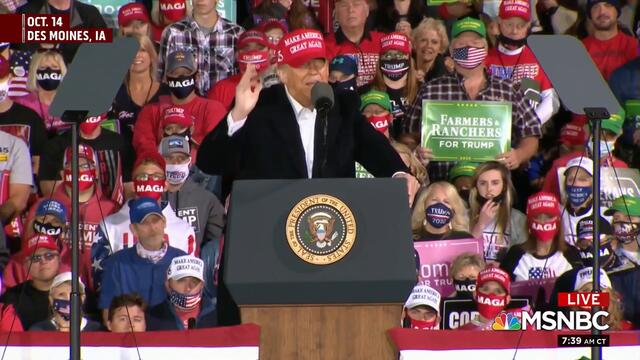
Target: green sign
111,124
466,130
362,173
109,10
227,9
440,2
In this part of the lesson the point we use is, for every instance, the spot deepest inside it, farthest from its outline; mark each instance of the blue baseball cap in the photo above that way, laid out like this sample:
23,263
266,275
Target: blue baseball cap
52,208
142,207
344,63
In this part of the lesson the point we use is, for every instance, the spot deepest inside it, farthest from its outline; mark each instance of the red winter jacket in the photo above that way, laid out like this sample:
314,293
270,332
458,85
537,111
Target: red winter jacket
224,91
147,132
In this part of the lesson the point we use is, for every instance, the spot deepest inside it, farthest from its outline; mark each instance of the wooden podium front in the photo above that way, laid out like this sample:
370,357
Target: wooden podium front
324,332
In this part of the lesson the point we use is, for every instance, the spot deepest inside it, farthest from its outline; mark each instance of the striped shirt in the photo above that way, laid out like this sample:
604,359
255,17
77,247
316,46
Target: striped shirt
525,122
214,51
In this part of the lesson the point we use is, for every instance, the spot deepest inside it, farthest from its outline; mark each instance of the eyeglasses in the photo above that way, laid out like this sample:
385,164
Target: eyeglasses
145,177
46,257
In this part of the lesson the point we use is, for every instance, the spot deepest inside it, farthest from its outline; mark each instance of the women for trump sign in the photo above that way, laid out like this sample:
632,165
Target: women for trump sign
466,130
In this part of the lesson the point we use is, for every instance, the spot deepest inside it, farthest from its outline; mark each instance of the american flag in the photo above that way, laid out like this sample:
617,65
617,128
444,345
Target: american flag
469,56
20,61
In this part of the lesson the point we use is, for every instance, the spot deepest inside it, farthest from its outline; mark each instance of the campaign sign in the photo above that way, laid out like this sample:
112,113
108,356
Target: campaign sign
457,312
466,130
436,258
362,173
440,2
531,289
611,186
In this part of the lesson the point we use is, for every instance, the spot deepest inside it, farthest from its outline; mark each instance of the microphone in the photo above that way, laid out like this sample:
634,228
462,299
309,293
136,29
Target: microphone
322,96
191,323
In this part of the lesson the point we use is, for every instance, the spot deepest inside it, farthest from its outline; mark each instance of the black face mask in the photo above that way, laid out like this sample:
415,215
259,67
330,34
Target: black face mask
347,85
48,79
46,229
465,288
607,255
394,69
181,86
511,42
497,199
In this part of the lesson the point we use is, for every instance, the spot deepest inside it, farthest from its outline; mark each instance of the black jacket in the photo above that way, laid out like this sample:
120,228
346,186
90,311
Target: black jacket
163,317
83,16
269,146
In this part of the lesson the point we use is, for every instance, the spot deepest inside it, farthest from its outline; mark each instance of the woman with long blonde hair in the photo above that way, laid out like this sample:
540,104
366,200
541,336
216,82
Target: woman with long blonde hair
46,71
439,214
409,158
492,216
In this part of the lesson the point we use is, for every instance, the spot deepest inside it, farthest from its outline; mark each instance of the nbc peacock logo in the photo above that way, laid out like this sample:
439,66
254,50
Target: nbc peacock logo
506,321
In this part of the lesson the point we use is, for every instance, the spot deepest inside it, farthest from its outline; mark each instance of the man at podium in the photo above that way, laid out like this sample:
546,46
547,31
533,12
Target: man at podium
277,133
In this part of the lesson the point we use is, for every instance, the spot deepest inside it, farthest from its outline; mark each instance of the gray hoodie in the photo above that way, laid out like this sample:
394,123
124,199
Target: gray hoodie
200,208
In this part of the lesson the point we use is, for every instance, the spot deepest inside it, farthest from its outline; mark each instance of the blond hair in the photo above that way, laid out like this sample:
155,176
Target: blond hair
38,58
435,25
417,169
147,45
466,259
460,221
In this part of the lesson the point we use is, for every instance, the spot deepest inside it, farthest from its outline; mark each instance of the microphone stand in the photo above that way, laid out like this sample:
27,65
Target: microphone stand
323,114
595,115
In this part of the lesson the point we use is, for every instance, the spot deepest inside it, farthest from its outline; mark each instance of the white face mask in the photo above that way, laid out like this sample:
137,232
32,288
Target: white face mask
177,173
606,147
4,90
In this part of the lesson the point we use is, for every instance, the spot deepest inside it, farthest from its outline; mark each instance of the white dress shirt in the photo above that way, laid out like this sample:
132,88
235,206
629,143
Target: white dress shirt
306,119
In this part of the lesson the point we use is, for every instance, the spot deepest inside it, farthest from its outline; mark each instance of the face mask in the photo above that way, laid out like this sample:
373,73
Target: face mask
625,232
48,79
177,173
465,288
511,42
149,188
181,86
260,58
606,147
577,195
496,199
469,57
46,229
85,178
544,232
90,125
424,325
380,122
173,10
606,255
347,85
438,215
185,302
394,69
4,90
490,305
63,308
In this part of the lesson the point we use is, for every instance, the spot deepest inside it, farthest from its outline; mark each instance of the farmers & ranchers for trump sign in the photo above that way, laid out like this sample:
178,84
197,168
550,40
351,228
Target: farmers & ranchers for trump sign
466,130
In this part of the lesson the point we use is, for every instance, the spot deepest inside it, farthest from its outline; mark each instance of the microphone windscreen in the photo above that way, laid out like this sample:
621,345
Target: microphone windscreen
322,96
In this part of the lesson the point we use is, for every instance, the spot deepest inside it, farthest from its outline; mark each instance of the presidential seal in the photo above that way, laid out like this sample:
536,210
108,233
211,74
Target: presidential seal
321,229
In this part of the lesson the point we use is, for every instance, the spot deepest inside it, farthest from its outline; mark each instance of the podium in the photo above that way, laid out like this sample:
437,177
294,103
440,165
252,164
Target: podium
322,265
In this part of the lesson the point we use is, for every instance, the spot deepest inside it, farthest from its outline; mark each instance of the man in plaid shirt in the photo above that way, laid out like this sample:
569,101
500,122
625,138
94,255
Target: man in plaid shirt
472,82
211,38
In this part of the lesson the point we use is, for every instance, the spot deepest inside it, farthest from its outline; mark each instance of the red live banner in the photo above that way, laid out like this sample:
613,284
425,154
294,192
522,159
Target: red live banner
583,299
47,28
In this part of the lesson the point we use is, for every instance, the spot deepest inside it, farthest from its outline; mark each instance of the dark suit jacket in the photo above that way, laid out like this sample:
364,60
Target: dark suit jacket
269,146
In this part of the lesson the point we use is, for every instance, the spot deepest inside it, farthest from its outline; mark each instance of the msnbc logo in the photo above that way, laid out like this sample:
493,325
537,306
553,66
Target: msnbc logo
506,321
